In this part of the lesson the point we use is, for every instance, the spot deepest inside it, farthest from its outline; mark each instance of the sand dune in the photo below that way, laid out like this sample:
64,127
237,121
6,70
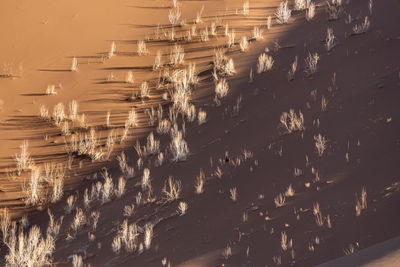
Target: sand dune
270,190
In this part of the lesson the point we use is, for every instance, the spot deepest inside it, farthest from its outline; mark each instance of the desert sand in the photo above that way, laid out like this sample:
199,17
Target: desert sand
253,187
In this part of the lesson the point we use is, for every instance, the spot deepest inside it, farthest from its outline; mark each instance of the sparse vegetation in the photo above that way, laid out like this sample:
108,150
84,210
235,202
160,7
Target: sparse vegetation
330,40
311,63
172,189
361,28
320,144
361,201
265,63
283,13
233,194
292,122
142,48
279,200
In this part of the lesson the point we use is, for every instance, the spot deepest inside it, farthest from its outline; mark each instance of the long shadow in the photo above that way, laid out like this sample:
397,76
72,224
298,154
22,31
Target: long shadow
34,94
129,68
55,70
151,7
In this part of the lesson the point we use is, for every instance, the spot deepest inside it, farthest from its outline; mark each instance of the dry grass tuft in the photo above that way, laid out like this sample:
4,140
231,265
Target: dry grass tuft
283,13
361,28
182,208
199,183
320,144
172,189
265,63
292,122
279,200
233,194
311,63
361,201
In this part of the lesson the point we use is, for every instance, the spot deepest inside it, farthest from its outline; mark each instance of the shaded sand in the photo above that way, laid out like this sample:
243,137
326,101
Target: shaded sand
383,254
86,30
242,145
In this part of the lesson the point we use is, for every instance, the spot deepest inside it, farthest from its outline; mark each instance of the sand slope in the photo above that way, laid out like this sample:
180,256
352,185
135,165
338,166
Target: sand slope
243,146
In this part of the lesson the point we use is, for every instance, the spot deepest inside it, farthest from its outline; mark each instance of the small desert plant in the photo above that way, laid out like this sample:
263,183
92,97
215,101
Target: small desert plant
231,38
177,55
142,48
74,64
265,63
361,28
126,170
320,144
131,121
310,12
292,70
221,88
213,29
204,35
116,244
58,114
227,253
70,204
164,126
319,219
174,15
198,15
199,183
201,116
311,63
257,33
178,147
158,60
34,190
334,8
279,200
246,8
269,22
129,78
73,110
145,179
44,112
79,220
120,190
107,188
77,260
113,48
283,13
182,208
144,90
289,191
222,64
324,103
152,146
292,122
244,44
148,236
301,4
284,241
54,226
351,249
361,202
94,216
172,189
51,90
330,40
128,210
24,160
233,194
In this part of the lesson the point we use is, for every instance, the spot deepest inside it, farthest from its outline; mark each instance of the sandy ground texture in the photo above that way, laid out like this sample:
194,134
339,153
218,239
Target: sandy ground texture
269,198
